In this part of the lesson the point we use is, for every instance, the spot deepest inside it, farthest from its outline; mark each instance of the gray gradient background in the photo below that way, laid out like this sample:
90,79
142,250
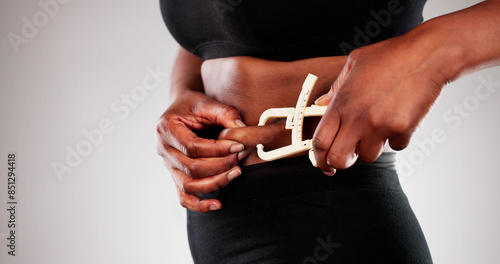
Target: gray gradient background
119,205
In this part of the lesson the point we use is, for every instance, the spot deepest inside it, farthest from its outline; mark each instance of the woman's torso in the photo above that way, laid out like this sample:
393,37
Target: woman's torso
258,53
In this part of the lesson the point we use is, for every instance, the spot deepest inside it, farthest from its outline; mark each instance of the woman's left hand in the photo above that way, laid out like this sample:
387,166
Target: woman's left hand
384,91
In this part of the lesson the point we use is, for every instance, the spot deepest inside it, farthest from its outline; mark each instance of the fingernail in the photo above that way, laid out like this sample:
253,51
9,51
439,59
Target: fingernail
318,101
235,148
214,207
239,123
233,174
329,173
242,155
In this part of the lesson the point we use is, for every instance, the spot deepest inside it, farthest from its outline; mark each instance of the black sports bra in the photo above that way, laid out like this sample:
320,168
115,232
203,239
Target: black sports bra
286,30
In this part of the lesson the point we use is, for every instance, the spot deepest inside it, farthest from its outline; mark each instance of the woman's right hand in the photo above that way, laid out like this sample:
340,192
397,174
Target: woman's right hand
199,165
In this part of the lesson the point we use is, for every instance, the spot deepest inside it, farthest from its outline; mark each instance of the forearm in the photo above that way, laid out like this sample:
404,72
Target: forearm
186,75
463,41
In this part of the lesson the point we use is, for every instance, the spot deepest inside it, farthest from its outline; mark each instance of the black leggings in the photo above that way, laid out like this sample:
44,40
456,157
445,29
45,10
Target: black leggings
287,211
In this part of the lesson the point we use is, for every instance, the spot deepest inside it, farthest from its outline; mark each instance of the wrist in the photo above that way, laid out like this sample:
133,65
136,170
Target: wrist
463,41
178,91
443,56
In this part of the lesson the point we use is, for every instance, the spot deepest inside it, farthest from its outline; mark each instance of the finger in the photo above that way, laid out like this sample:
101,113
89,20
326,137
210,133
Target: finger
201,167
326,98
180,137
370,148
271,136
197,204
399,142
222,115
323,138
204,185
343,154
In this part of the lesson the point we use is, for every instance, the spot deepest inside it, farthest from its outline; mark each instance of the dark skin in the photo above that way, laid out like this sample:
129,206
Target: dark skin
369,105
231,90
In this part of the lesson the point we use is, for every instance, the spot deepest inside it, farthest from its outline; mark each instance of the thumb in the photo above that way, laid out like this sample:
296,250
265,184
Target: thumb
221,114
233,123
230,117
326,98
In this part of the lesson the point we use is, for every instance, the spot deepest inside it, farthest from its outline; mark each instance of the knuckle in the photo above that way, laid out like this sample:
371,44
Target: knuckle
167,124
183,203
182,188
159,127
401,126
191,149
164,122
377,121
188,188
195,148
228,110
161,147
160,150
191,169
319,145
161,120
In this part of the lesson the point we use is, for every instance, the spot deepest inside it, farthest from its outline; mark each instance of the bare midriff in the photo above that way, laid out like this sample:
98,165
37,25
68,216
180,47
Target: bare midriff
253,85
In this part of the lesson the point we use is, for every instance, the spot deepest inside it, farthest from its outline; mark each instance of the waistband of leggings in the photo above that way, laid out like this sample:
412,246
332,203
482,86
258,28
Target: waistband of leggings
297,175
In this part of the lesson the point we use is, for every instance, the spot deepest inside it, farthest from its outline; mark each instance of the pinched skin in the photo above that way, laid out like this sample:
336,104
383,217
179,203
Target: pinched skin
254,85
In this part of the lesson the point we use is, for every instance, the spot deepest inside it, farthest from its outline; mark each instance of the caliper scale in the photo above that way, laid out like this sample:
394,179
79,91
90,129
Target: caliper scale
295,122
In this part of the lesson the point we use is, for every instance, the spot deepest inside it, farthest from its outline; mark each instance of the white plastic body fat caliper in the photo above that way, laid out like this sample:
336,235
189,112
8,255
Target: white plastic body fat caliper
294,121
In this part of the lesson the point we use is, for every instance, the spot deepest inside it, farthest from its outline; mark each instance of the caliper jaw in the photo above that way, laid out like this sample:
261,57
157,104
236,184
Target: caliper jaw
294,121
